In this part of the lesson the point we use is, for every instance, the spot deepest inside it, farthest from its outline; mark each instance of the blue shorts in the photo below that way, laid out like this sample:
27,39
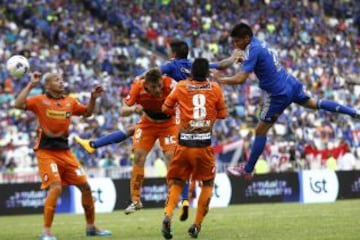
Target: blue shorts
275,105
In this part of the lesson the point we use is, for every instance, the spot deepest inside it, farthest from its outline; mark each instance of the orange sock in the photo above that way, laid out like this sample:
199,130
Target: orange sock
50,205
88,205
137,178
203,203
172,198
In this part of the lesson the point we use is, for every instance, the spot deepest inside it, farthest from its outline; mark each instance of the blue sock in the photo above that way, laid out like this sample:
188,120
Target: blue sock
256,150
333,106
114,137
185,191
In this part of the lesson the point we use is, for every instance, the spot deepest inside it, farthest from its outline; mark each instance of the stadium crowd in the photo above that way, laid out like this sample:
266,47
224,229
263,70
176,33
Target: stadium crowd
111,42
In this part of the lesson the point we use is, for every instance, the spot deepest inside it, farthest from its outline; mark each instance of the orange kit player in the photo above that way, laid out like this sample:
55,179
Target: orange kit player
150,93
57,165
201,102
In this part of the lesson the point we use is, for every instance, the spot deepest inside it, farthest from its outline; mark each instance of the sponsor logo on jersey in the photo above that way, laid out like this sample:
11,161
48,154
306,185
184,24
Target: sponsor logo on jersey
57,114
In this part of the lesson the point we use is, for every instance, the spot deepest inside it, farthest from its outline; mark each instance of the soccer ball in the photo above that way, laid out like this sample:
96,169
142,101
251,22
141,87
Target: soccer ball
17,66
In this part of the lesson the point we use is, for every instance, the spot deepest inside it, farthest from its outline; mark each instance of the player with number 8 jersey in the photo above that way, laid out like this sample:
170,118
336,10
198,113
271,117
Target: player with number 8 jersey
201,102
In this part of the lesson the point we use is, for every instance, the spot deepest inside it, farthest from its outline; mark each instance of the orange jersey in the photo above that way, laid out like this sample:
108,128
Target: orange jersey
201,103
54,118
151,105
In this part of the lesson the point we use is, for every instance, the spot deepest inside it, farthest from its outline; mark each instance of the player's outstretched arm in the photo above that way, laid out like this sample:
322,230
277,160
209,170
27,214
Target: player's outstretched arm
236,57
21,98
238,78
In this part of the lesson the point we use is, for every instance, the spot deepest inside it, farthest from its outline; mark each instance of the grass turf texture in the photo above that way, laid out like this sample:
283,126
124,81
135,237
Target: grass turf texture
293,221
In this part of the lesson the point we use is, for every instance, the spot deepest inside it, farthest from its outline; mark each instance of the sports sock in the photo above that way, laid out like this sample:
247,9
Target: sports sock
88,205
185,192
172,199
50,205
137,178
333,106
111,138
203,204
256,150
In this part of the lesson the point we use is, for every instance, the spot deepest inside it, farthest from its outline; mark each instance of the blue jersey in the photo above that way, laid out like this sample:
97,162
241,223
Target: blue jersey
180,68
282,88
264,62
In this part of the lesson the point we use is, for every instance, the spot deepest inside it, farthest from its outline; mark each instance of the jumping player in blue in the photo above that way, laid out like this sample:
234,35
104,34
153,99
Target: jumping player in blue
178,68
281,88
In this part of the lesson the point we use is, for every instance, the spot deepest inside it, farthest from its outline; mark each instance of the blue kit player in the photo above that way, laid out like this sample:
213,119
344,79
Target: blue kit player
280,88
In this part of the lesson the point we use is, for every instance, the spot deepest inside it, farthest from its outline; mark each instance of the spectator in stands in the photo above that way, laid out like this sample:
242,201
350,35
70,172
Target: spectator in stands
261,166
331,162
3,168
347,161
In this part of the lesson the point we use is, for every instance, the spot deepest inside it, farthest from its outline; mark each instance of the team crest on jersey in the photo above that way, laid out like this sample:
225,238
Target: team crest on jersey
46,102
45,177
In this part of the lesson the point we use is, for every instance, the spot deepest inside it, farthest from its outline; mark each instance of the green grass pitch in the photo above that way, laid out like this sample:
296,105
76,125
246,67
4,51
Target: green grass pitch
293,221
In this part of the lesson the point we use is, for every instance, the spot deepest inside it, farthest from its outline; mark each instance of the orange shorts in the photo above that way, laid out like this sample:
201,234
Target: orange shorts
199,163
147,132
59,166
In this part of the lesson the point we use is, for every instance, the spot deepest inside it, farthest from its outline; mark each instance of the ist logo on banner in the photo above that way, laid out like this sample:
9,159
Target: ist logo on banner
318,186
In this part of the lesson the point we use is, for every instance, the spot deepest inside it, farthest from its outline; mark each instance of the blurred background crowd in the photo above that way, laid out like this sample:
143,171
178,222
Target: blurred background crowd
110,42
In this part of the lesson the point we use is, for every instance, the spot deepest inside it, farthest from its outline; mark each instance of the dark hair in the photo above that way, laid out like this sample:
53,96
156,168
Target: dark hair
241,30
180,48
153,75
200,69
